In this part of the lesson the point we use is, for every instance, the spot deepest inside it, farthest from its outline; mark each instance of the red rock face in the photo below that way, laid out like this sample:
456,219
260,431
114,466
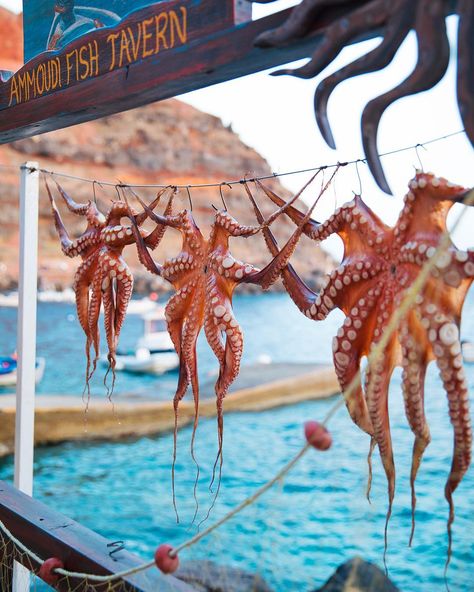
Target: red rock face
167,142
11,40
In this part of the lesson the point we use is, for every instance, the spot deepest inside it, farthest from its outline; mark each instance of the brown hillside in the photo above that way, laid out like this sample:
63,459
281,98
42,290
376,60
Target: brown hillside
167,142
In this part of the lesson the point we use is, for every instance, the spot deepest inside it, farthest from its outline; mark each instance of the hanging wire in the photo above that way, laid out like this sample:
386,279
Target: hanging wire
240,181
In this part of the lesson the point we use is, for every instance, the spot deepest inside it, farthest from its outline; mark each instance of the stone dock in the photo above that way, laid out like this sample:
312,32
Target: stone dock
64,418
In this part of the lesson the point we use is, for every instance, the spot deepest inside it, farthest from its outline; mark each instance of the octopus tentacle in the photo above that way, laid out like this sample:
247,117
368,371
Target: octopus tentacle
108,299
299,292
433,61
309,228
124,288
212,326
298,23
353,215
270,273
94,314
89,210
377,59
67,245
349,346
443,332
228,372
376,387
154,238
141,217
465,65
337,35
415,362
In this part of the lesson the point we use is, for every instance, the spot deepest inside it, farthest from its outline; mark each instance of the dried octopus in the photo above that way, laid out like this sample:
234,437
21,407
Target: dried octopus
205,275
395,19
380,264
103,276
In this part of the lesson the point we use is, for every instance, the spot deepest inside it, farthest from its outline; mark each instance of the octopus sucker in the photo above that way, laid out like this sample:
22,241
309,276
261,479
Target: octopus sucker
391,259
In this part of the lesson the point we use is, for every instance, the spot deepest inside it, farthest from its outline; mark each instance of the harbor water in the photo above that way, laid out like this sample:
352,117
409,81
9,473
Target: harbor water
298,533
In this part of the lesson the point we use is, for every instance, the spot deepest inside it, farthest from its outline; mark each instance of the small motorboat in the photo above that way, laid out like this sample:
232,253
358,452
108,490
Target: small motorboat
8,370
142,361
154,352
468,351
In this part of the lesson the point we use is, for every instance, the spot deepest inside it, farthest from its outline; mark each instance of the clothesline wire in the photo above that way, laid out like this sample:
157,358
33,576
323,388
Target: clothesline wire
236,181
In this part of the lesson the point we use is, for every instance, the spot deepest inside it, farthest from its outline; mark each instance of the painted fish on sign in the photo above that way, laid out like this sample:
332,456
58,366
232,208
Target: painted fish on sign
143,35
52,24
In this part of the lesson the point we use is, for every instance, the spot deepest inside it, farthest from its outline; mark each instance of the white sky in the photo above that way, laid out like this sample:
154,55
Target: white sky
275,116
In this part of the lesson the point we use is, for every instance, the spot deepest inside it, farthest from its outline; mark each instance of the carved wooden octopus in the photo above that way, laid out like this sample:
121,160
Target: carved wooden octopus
395,19
103,276
379,264
205,275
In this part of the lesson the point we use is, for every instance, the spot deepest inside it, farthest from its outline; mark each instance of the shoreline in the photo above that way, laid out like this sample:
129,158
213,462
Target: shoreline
66,418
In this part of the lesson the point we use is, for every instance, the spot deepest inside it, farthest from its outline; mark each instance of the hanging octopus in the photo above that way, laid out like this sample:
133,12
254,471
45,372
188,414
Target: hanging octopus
394,19
380,263
103,276
205,275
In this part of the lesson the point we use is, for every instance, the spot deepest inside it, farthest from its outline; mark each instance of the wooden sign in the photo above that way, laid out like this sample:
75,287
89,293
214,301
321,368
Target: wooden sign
53,24
154,53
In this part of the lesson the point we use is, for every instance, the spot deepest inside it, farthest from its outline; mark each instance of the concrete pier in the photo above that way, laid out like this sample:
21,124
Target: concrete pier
259,387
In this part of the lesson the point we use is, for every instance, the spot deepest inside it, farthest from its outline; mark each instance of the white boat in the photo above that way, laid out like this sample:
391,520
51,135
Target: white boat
9,300
141,306
154,352
144,362
468,351
8,370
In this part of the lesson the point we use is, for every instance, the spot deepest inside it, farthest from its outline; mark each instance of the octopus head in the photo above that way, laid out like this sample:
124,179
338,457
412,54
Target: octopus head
438,189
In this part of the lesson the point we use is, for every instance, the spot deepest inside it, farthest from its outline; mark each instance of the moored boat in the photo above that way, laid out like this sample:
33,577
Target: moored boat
8,370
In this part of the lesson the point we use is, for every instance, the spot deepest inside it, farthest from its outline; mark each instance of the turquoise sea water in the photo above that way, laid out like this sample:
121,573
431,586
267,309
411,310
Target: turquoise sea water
300,531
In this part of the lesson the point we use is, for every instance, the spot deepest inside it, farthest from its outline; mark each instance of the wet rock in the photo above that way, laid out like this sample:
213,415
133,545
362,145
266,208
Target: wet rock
358,575
206,576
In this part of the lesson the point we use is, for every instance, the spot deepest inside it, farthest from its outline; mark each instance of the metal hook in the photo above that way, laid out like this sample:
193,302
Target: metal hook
189,197
116,546
358,176
93,191
222,195
418,156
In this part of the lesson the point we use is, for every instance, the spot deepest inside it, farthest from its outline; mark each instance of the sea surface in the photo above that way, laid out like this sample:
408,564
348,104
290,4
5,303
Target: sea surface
300,531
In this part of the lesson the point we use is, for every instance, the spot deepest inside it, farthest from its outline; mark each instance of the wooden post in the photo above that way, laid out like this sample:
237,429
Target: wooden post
26,343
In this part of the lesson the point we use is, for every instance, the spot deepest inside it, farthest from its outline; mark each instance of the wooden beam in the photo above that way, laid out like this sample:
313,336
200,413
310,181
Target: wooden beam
51,534
112,70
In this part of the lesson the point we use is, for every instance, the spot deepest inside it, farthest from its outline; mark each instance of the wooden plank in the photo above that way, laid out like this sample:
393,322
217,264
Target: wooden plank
111,70
51,534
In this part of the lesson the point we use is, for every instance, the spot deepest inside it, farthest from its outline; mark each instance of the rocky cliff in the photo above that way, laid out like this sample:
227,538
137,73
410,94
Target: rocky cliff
167,142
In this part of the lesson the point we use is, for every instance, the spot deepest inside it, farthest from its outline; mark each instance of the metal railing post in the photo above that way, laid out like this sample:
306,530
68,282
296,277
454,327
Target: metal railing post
26,343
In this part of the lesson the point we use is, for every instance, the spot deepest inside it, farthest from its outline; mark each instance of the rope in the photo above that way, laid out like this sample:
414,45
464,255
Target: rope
238,181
